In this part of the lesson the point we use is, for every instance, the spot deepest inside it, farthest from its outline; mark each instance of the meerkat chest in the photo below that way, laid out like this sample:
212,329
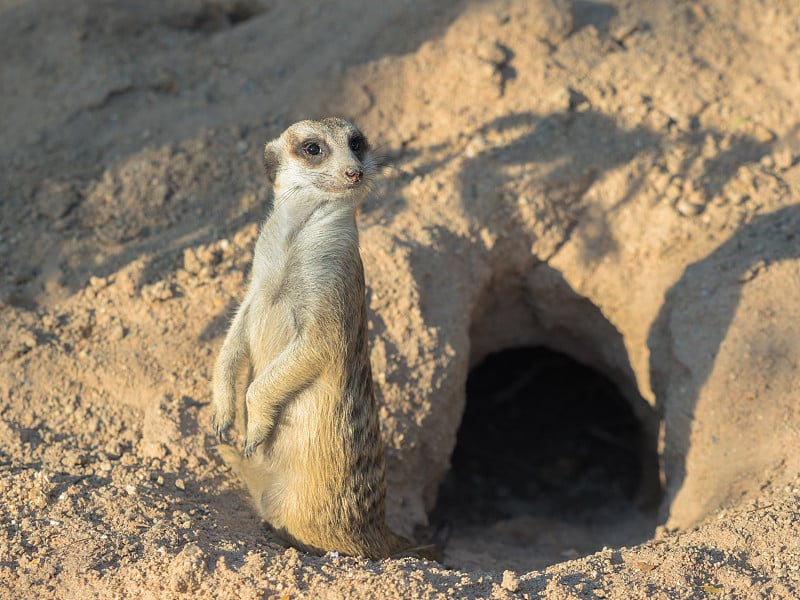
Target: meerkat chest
275,245
269,260
305,241
298,263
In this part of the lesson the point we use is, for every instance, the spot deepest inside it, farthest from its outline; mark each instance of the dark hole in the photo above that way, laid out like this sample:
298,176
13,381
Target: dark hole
548,456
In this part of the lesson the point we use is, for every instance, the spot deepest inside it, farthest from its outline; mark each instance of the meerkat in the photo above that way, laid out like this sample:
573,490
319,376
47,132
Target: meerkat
313,458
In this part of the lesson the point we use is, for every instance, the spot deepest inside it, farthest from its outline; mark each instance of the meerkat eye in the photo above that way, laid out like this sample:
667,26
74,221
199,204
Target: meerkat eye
356,144
312,149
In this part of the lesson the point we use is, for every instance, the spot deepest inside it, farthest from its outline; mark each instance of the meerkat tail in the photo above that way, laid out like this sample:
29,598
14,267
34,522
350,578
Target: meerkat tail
402,547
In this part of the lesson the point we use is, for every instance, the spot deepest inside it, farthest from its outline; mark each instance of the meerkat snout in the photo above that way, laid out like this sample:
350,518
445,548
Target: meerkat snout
354,174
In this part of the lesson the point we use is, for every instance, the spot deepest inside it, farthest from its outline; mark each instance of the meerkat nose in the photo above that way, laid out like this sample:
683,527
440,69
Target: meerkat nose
354,174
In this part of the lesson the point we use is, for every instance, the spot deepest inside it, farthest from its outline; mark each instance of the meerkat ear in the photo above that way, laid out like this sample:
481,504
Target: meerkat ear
271,161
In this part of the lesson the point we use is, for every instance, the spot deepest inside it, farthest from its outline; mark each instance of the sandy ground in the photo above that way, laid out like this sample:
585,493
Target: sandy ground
614,181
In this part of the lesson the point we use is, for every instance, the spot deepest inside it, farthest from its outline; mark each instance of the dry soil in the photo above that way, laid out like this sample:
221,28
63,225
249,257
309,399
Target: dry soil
609,191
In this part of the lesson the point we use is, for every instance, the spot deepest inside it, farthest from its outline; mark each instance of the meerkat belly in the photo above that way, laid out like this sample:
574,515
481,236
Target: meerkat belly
270,332
303,459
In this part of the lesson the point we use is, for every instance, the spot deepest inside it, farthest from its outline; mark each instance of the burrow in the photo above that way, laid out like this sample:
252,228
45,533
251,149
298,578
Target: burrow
557,452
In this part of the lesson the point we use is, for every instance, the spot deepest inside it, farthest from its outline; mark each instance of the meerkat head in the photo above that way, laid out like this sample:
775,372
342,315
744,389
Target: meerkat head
330,158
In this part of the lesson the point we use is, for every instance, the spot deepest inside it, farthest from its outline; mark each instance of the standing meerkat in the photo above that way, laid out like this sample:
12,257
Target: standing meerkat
313,458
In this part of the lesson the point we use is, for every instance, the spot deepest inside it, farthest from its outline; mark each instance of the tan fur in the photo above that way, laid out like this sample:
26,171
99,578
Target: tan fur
313,458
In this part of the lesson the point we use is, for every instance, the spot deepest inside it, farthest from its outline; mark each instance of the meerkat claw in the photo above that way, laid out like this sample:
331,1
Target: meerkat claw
249,449
220,427
220,433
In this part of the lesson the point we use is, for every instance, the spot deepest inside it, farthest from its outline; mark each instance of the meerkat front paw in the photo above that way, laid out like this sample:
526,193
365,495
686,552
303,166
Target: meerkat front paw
222,418
254,436
260,421
221,422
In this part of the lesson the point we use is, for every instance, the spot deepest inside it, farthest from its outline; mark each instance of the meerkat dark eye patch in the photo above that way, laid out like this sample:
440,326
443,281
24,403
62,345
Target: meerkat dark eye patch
311,152
358,144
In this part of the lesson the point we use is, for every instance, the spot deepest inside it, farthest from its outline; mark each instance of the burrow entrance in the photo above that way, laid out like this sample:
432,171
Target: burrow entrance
550,464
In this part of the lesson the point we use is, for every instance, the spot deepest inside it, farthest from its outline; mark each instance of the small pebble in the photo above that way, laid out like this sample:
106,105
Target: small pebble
97,282
673,191
561,100
622,32
491,52
688,209
510,581
113,450
783,159
117,332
